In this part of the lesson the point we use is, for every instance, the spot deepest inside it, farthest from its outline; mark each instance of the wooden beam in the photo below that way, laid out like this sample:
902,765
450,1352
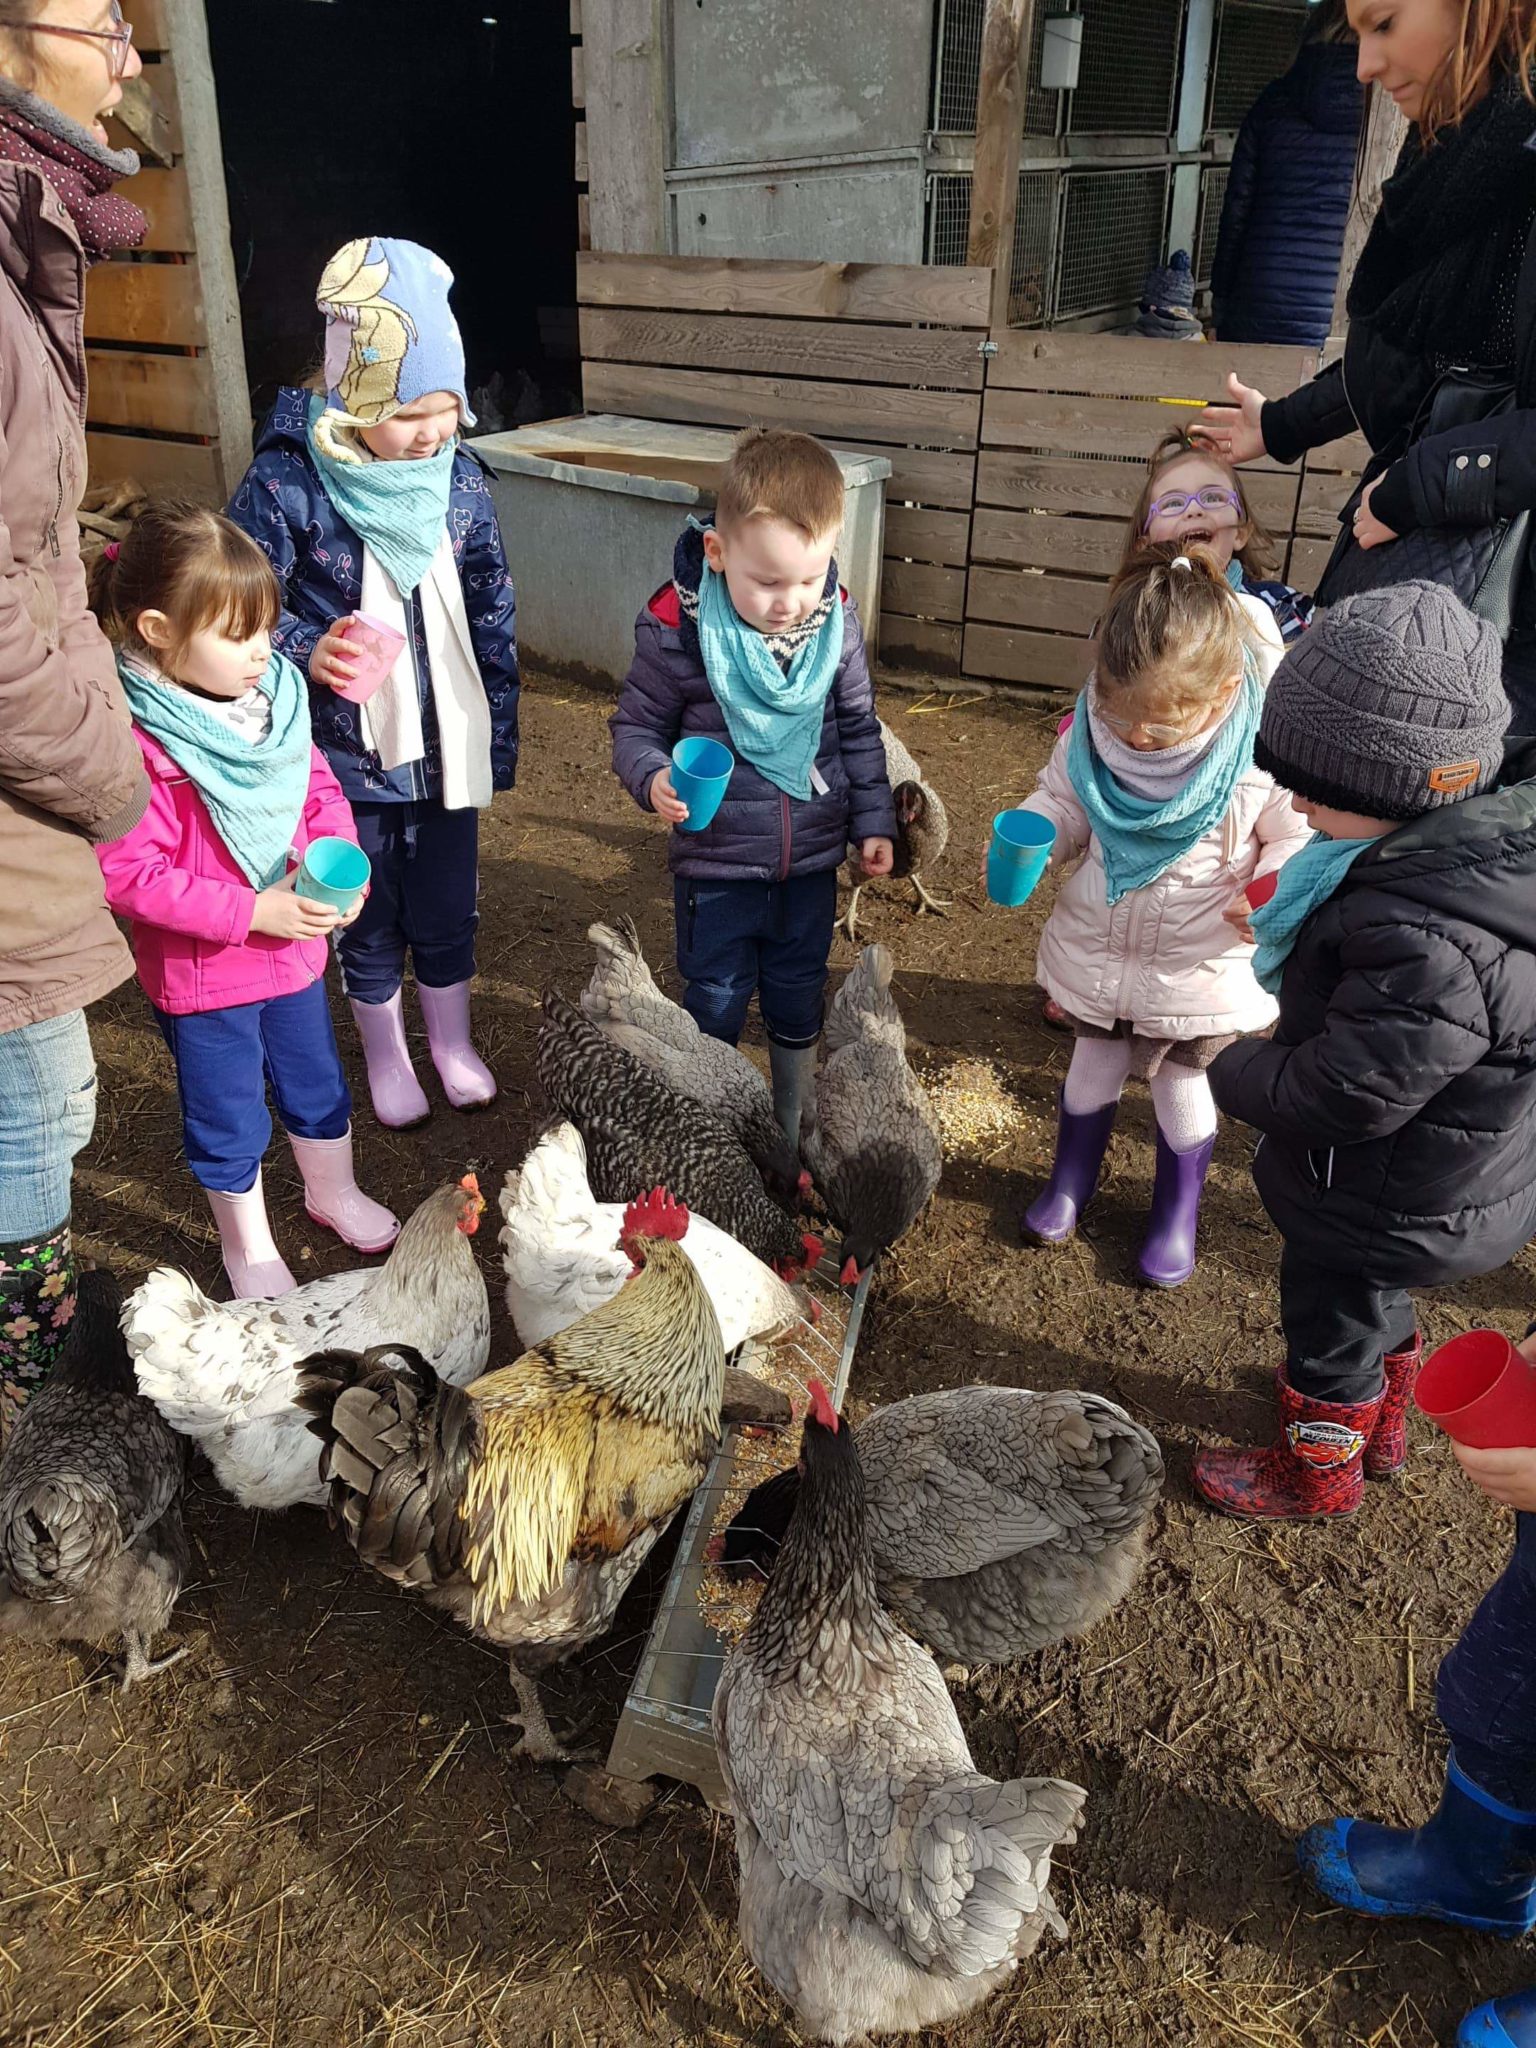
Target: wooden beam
1385,133
851,349
867,412
1010,655
935,295
155,305
925,644
924,536
1122,366
181,466
156,394
578,76
623,62
167,207
148,119
1005,35
148,20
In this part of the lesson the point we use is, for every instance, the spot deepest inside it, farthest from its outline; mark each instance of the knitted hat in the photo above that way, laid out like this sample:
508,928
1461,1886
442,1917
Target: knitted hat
389,336
1390,705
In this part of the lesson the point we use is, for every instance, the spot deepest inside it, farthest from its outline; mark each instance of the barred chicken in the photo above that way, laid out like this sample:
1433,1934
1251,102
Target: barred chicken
1000,1520
524,1505
640,1133
623,1001
922,832
886,1884
223,1373
91,1537
873,1146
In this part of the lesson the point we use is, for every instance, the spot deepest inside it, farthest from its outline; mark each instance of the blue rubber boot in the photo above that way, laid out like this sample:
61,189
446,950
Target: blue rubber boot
1473,1863
1501,2023
1081,1141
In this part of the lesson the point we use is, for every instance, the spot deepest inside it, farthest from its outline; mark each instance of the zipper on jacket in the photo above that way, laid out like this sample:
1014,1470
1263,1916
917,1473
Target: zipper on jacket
784,835
58,503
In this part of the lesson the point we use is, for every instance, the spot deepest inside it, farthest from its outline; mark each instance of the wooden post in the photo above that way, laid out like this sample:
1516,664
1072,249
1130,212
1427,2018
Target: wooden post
1385,130
1005,42
624,76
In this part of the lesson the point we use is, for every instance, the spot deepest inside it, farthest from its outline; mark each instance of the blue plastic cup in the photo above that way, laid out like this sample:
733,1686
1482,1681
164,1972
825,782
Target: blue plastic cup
701,771
1018,856
334,872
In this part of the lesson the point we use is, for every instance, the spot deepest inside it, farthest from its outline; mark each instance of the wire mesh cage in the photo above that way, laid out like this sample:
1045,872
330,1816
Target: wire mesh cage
957,70
949,216
1255,42
1032,281
1213,192
1130,68
1111,234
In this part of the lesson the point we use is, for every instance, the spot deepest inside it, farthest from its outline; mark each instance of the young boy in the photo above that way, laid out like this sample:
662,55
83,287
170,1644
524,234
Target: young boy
1396,1094
754,644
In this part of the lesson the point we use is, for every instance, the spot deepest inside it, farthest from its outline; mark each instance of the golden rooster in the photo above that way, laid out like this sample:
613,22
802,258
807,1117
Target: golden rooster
524,1504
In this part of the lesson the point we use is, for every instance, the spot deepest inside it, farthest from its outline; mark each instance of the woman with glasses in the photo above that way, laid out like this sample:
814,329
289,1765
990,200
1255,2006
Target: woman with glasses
70,773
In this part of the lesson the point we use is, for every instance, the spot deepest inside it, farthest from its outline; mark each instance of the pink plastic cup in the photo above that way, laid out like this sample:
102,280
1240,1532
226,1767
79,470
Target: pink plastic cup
375,648
1480,1391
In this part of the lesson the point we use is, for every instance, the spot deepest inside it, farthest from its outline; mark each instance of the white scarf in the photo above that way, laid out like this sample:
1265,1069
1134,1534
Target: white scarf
392,715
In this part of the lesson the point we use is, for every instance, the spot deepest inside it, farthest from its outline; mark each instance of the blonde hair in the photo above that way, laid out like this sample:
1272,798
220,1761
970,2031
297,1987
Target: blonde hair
1172,635
776,473
1496,35
1257,551
196,567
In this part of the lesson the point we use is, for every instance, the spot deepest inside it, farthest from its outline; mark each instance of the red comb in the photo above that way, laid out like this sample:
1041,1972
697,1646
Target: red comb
470,1184
821,1409
850,1276
813,1250
655,1215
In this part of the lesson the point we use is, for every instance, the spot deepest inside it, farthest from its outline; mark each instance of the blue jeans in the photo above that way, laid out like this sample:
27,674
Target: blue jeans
734,937
1486,1691
225,1060
426,877
47,1114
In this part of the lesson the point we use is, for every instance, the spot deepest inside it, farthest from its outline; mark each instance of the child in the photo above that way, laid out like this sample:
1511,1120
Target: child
1145,948
364,502
231,959
1396,1096
754,643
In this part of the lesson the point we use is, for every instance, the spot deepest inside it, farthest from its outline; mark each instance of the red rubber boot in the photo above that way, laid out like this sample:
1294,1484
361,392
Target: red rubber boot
1314,1470
1387,1451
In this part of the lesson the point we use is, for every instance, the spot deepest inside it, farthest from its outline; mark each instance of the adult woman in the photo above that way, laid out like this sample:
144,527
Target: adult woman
70,772
1446,283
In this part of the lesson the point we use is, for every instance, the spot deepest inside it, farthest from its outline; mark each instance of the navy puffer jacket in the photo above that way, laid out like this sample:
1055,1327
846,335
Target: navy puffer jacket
758,834
1288,192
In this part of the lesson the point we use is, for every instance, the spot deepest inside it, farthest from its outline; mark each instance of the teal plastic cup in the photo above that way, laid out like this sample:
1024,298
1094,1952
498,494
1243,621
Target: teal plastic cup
334,872
1018,856
701,773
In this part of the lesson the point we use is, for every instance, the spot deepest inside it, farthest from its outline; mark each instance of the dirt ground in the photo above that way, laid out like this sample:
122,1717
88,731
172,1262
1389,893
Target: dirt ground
310,1832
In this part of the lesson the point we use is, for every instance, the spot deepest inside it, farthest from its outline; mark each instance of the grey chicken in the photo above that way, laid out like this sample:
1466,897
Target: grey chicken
640,1134
922,832
1000,1520
625,1004
873,1147
91,1538
886,1884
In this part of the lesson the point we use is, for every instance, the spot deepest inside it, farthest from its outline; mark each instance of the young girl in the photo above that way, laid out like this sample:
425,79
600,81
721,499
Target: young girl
231,959
1146,949
363,501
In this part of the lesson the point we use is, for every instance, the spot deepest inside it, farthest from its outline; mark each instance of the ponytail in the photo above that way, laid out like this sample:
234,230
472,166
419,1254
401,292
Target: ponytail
1172,628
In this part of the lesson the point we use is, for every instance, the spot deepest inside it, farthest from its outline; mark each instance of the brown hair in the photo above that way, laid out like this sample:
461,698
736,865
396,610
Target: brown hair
1257,552
1496,35
194,565
1172,634
776,473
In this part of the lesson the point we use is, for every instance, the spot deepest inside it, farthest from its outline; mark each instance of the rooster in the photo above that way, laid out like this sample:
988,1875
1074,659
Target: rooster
524,1504
1000,1520
886,1884
625,1004
223,1372
640,1133
91,1538
922,832
874,1146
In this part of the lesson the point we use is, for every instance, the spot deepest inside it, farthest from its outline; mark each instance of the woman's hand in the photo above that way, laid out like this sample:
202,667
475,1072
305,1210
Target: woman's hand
665,801
280,914
1509,1477
877,856
1234,430
332,664
1369,531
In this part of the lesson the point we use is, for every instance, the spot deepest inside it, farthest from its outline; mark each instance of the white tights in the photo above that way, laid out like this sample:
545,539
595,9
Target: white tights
1181,1098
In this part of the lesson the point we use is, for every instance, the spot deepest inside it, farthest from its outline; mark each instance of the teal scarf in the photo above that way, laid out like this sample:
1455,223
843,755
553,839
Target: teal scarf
1139,837
1306,882
398,509
255,795
774,719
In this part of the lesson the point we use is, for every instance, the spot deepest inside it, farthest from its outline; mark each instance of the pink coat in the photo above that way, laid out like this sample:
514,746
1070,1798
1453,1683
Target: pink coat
191,905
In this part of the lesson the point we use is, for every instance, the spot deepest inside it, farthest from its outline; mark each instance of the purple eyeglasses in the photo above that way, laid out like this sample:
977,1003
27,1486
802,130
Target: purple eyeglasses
1210,498
119,37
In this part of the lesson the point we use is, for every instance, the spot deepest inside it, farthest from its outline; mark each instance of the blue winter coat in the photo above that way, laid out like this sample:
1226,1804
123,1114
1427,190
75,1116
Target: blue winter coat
283,506
1282,223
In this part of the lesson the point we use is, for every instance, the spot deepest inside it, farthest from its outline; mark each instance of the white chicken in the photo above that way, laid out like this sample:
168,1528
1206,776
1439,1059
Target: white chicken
224,1373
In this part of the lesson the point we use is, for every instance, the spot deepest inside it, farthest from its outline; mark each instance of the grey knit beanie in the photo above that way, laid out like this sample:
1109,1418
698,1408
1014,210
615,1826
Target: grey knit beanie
1391,704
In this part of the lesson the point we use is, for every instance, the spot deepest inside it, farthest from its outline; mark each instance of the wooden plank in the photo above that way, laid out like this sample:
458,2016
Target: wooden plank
1081,426
1115,366
1309,558
925,475
1024,597
1000,95
167,205
624,57
158,305
1044,540
149,30
578,77
583,167
927,536
1345,457
1323,496
1008,656
1385,129
923,590
869,411
854,350
182,466
1107,489
935,294
583,221
920,643
148,118
153,394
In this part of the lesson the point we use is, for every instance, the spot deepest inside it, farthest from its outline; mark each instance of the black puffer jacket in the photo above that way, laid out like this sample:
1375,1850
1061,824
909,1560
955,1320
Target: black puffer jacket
1396,1097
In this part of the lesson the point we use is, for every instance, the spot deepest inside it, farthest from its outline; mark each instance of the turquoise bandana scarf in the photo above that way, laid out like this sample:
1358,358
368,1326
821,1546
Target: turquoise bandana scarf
1306,882
398,509
774,717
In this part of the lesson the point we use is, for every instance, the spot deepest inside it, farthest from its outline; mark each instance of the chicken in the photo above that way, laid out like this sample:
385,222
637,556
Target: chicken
873,1145
640,1134
524,1504
91,1538
223,1372
625,1004
886,1884
922,832
1000,1520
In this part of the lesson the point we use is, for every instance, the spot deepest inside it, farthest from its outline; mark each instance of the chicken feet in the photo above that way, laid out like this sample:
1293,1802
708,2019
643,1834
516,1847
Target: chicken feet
137,1666
538,1741
927,902
849,921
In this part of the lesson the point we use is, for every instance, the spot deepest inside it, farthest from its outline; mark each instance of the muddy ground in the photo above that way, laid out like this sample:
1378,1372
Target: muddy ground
310,1832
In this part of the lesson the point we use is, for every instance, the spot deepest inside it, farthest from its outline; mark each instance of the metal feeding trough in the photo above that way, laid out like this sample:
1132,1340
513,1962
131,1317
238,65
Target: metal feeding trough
665,1729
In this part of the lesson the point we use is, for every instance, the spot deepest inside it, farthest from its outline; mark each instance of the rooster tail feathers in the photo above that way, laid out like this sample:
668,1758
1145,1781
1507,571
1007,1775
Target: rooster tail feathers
619,972
752,1540
95,1352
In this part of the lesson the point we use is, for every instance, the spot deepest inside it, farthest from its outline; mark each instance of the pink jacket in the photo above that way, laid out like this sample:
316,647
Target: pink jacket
191,905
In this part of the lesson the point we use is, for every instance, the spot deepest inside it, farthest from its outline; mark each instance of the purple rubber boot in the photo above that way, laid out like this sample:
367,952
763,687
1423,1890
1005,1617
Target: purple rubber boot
1168,1255
1051,1217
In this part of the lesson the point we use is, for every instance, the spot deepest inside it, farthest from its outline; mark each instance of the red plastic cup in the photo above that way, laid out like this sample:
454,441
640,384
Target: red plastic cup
1259,891
375,647
1480,1391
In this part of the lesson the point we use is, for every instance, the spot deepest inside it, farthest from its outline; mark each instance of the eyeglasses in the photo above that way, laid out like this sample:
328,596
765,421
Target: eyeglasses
1210,498
1160,735
120,37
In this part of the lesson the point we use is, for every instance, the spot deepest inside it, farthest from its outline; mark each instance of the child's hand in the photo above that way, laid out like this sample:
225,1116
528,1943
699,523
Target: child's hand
1237,914
1509,1477
877,856
331,663
350,917
280,914
665,801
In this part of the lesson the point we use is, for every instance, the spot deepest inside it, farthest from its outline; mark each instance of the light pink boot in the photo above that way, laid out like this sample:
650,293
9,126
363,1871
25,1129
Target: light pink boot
467,1081
252,1261
333,1197
398,1099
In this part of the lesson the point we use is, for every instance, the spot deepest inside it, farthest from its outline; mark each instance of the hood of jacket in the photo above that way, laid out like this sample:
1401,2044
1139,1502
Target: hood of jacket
287,424
1474,860
1325,89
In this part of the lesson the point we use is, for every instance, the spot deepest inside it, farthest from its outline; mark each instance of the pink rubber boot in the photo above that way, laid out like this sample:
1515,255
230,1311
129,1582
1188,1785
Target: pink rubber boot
333,1197
467,1081
252,1261
398,1099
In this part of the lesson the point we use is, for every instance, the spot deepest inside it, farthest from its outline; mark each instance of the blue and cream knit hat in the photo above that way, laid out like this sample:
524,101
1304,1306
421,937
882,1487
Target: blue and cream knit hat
389,335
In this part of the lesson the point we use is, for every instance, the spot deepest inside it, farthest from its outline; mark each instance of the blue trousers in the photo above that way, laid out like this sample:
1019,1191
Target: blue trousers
426,876
47,1114
225,1062
734,937
1486,1691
